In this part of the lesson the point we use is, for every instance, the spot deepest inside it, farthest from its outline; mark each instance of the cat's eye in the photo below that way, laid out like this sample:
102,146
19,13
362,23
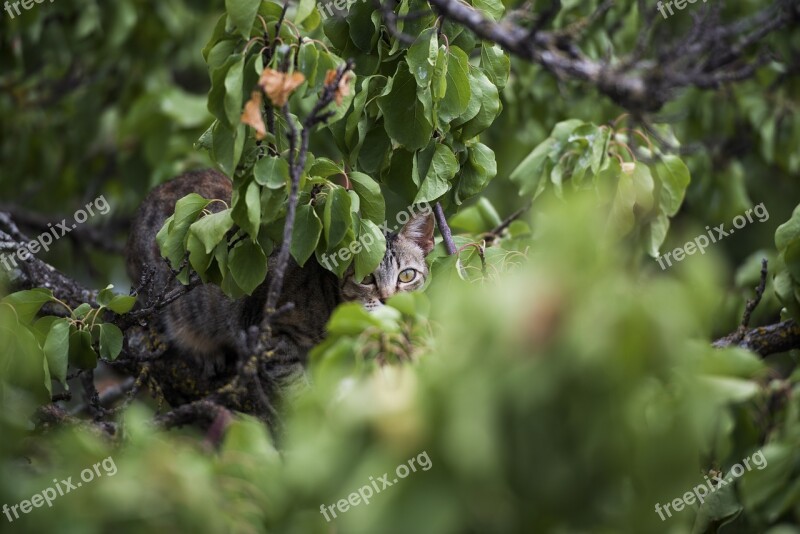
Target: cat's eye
368,280
407,276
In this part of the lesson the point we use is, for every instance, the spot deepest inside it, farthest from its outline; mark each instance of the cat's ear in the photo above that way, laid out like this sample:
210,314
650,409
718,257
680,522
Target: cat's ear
420,230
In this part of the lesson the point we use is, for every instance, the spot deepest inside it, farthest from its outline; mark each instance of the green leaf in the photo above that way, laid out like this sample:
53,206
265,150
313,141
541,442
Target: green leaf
219,34
351,318
375,151
110,341
788,232
404,114
273,204
783,285
488,212
219,101
56,350
373,206
718,506
304,9
272,171
227,146
599,155
307,59
248,265
171,238
634,189
496,64
493,8
242,13
324,167
199,259
414,25
105,295
28,303
490,105
421,57
40,327
762,485
211,229
476,173
655,233
442,169
674,177
81,311
373,248
459,92
81,353
22,361
362,25
247,208
117,303
728,389
439,82
336,216
121,304
530,171
233,91
306,233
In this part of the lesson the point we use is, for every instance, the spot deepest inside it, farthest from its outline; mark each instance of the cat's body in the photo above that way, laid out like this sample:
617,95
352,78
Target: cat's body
208,327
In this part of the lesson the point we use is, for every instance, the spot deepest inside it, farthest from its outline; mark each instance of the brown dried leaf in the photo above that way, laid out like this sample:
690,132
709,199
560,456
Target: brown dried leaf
252,115
330,76
279,86
344,85
344,88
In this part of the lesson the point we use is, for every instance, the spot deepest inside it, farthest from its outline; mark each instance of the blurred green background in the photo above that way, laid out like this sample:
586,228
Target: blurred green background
569,392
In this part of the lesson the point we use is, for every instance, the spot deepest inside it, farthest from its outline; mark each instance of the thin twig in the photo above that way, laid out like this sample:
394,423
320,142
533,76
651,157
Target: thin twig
752,303
447,236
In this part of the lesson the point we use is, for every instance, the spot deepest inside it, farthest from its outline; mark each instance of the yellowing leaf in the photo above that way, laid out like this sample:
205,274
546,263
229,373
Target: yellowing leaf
252,115
279,86
344,85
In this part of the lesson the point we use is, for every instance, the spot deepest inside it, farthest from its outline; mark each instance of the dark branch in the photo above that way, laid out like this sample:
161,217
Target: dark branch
765,340
447,236
708,55
297,160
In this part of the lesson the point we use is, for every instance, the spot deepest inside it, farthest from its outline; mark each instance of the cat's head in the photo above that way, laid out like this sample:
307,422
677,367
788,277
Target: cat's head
403,267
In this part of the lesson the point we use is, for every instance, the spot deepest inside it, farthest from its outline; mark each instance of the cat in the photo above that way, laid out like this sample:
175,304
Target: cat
208,327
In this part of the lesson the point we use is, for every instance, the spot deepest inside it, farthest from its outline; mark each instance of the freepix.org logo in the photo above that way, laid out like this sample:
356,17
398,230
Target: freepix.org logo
13,8
335,8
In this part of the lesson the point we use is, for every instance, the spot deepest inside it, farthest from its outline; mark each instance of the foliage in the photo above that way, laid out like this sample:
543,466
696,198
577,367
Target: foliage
556,378
38,349
410,112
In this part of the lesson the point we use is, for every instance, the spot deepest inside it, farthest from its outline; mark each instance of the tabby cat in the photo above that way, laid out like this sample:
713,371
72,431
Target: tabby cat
208,327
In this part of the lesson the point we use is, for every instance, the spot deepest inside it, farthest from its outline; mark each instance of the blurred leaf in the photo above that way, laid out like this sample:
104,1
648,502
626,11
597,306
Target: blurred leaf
27,304
370,256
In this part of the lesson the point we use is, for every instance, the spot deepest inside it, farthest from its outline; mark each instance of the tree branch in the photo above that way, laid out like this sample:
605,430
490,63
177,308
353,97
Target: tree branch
765,340
297,161
709,55
447,235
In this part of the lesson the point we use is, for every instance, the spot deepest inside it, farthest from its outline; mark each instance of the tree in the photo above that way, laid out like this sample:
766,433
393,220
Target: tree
560,371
